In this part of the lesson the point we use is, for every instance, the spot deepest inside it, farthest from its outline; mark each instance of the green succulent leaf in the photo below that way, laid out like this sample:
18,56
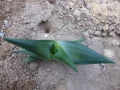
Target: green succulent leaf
41,48
81,54
45,49
68,52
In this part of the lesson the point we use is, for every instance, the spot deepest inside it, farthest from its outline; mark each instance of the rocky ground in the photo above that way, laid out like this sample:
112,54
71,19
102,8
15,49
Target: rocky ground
98,21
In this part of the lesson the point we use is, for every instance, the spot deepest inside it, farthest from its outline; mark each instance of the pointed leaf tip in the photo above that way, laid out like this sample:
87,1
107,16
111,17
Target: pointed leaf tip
81,54
41,48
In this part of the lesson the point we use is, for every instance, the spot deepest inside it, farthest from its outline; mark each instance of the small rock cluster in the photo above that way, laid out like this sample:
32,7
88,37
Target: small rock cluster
106,30
86,18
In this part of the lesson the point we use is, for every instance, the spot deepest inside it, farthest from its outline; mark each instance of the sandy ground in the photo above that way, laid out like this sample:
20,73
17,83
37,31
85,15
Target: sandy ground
97,21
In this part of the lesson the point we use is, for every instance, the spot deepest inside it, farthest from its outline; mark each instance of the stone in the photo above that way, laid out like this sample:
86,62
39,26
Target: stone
70,5
34,65
88,7
85,35
71,18
97,33
117,32
115,42
91,35
2,34
109,53
111,34
99,28
111,28
103,34
76,13
90,31
7,23
105,28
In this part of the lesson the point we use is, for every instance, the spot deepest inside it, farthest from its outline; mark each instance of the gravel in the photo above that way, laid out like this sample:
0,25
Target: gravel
115,43
7,23
111,28
105,27
34,65
112,34
76,13
90,31
97,33
99,28
103,34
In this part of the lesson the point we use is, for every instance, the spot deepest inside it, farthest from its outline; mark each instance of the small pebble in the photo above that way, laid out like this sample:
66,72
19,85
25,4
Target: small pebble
109,53
105,28
70,5
7,23
117,32
2,34
88,7
103,34
46,35
90,31
91,35
34,65
71,17
112,34
76,13
111,28
85,35
97,33
115,43
99,28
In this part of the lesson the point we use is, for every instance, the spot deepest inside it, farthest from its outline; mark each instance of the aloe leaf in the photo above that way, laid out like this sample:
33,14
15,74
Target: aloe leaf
68,52
30,58
41,48
63,57
81,54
